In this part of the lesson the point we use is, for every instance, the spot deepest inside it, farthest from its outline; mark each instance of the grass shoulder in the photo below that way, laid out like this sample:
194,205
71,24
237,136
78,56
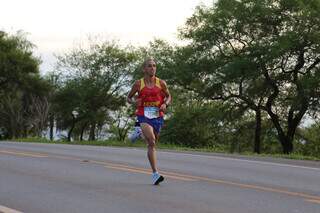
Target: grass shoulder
173,147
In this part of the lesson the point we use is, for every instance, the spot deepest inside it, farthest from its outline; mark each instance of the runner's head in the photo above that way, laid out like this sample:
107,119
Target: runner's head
149,67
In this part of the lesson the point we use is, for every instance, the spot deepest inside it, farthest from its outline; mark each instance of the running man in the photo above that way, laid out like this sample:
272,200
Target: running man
152,101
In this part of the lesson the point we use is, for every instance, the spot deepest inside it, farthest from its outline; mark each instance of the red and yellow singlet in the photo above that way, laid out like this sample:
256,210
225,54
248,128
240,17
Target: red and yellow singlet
151,100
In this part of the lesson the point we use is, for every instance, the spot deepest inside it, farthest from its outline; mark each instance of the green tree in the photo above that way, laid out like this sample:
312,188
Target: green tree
23,92
16,59
120,123
95,84
198,125
54,80
261,53
309,140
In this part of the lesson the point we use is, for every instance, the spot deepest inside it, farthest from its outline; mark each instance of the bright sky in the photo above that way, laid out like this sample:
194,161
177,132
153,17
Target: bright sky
55,26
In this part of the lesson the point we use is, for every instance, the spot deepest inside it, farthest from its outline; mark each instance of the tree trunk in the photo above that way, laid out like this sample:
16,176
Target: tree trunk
92,132
287,145
82,131
71,129
257,135
288,148
70,132
51,123
286,142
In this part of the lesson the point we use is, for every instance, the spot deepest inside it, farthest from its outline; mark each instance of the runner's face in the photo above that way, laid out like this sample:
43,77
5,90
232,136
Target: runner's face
150,68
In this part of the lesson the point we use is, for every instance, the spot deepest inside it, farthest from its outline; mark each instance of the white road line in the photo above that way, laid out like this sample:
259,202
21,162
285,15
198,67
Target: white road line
8,210
243,160
228,158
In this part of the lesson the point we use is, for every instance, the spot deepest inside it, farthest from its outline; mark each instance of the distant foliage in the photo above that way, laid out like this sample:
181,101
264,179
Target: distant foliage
195,126
308,141
23,93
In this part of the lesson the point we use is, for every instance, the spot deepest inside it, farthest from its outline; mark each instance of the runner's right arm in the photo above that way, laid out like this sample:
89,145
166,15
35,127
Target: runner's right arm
133,91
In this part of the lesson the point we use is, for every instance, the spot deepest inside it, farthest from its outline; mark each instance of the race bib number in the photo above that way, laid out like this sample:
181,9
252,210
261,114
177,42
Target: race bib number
151,112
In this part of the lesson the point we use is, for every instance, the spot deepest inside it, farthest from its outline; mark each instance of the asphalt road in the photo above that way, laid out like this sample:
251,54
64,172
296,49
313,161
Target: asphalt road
48,178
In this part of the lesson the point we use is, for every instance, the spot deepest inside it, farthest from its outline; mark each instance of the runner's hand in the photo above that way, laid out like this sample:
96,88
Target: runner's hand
163,107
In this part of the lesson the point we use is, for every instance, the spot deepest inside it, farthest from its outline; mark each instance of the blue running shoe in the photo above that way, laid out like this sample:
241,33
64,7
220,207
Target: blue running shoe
157,178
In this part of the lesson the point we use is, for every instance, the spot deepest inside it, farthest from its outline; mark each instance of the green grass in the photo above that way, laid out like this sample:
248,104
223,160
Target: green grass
139,143
294,156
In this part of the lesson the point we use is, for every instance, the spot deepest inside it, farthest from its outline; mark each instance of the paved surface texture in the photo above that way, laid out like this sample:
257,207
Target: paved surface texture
69,178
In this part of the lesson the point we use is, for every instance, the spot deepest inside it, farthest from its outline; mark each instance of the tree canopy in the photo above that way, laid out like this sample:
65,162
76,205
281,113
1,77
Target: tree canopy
263,54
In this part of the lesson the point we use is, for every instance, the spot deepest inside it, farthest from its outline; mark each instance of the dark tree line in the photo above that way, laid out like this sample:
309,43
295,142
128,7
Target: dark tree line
246,79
